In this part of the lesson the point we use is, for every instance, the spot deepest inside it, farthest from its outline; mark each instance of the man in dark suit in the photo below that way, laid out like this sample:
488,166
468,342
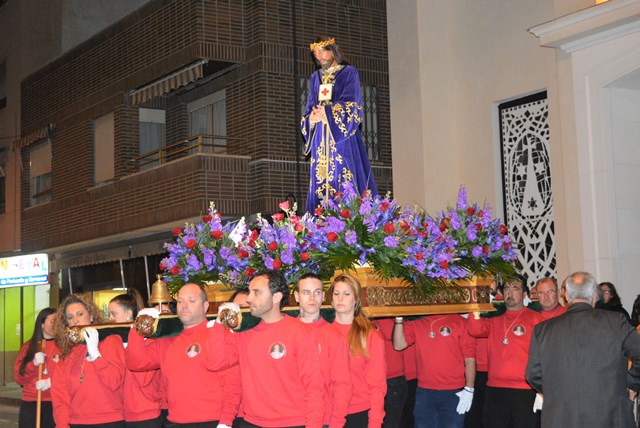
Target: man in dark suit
578,361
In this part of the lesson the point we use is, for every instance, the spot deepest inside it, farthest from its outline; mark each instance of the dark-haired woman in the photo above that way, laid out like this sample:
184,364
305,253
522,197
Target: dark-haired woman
367,359
611,300
88,385
142,390
33,369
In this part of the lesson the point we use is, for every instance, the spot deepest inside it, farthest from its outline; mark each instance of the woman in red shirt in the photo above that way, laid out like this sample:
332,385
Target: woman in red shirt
142,390
33,370
88,385
366,346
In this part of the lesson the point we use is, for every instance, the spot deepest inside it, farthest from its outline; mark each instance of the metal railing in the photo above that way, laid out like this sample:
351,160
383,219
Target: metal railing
192,145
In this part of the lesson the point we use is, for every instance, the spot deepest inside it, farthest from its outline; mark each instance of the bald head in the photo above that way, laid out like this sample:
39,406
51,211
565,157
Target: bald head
192,305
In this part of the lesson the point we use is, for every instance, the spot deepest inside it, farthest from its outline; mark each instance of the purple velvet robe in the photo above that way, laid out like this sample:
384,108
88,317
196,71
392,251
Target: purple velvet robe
335,147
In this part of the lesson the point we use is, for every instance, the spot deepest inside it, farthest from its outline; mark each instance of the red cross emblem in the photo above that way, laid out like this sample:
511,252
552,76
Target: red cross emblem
325,91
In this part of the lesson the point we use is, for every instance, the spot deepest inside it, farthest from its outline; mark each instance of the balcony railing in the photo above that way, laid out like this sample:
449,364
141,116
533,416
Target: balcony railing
196,144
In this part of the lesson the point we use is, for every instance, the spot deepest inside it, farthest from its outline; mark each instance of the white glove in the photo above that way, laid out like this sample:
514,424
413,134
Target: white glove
38,358
223,426
91,338
537,403
227,305
43,384
152,312
466,397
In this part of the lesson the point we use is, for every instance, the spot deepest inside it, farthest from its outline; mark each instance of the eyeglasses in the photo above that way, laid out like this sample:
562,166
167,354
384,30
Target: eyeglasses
547,293
512,288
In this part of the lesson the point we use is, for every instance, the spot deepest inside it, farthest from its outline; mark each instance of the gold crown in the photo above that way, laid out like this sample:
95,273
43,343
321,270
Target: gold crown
323,43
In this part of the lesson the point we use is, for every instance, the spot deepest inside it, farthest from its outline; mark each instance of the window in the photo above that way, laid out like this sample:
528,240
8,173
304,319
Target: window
369,126
3,84
152,136
103,149
40,172
208,120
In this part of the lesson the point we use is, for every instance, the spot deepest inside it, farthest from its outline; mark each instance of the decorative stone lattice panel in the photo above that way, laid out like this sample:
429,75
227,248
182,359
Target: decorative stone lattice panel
526,168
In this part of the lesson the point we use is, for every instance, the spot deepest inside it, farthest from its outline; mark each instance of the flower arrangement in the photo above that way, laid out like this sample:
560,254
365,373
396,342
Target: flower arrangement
344,232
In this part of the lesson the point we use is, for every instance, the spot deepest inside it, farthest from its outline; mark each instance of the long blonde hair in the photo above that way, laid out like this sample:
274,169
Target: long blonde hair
60,323
362,325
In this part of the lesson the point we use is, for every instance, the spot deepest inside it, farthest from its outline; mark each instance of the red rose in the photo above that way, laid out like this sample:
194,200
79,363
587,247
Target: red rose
191,243
384,205
304,256
345,213
338,196
471,211
419,256
243,254
443,225
444,264
481,214
176,231
252,244
277,264
217,235
506,246
389,228
404,225
278,217
163,266
366,193
284,206
207,218
298,227
424,234
294,218
485,249
273,245
249,271
175,270
503,229
332,237
317,212
254,235
478,227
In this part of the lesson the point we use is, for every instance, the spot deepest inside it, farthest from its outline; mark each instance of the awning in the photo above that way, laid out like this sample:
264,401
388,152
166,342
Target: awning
95,256
30,138
168,83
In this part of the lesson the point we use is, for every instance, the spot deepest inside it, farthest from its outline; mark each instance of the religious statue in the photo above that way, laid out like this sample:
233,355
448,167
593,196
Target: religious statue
330,126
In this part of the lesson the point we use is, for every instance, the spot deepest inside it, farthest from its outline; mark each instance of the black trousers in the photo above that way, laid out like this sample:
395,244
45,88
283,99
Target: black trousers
473,418
209,424
509,408
358,420
117,424
394,401
408,420
149,423
27,415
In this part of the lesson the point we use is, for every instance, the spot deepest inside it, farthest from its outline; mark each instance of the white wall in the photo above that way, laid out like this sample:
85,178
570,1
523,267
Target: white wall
625,172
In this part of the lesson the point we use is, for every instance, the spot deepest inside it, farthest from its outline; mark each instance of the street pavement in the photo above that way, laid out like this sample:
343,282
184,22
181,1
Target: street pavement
8,415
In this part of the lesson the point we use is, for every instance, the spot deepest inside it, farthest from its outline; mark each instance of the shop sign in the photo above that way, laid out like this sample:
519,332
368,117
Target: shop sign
31,269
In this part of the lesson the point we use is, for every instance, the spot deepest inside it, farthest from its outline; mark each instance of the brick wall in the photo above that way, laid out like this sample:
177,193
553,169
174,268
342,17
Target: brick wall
253,38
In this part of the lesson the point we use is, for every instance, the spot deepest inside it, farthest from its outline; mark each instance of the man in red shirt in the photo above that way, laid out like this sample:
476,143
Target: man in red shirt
334,351
548,298
195,395
509,398
282,383
446,366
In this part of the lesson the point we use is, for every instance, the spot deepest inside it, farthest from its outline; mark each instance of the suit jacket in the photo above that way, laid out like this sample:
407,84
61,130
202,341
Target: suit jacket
579,362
